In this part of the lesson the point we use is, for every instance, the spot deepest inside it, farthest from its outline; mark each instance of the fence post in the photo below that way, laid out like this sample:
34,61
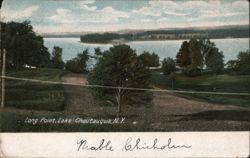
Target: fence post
3,81
1,66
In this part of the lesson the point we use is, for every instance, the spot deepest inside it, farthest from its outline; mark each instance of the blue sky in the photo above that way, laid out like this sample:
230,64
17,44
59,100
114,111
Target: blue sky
57,16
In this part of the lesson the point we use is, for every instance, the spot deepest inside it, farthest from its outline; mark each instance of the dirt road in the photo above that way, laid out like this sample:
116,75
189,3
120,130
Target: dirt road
170,112
79,99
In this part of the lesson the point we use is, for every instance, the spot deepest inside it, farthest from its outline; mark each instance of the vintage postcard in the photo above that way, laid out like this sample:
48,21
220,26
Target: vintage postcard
131,78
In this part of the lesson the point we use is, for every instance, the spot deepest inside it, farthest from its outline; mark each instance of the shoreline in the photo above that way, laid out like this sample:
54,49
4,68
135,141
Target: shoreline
124,42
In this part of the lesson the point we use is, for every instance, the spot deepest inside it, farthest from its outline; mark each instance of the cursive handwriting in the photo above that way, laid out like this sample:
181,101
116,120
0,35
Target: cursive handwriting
129,145
103,145
138,145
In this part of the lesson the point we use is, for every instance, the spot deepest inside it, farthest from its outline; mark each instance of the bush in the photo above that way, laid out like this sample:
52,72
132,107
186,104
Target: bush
72,65
79,63
243,63
168,66
149,60
192,71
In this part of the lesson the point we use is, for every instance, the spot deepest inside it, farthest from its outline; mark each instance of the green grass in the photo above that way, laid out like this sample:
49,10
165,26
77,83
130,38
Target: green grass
34,95
211,83
49,98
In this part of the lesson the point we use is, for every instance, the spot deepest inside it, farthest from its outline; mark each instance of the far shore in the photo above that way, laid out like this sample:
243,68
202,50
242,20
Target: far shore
151,40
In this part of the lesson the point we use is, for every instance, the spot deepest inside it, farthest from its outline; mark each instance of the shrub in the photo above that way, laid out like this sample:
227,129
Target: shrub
192,71
168,66
79,63
149,60
243,63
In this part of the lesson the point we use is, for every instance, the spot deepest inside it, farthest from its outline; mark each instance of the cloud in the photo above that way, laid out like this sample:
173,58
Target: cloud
87,2
157,8
163,19
113,14
63,16
194,9
92,17
88,14
116,27
85,5
11,15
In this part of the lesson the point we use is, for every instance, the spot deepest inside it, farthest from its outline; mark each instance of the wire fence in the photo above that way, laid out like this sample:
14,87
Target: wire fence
125,88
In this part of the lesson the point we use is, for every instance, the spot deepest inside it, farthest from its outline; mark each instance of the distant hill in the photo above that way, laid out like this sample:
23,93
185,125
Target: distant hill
231,31
61,35
168,34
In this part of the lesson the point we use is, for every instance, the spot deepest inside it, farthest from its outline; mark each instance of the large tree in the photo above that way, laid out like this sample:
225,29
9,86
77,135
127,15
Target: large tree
120,67
243,63
197,53
56,59
23,46
206,47
183,57
214,60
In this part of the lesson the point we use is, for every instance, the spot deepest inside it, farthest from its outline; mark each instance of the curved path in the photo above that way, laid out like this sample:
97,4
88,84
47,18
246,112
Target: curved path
169,111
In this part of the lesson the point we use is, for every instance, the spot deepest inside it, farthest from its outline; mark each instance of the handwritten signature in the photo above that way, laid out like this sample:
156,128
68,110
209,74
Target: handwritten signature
129,145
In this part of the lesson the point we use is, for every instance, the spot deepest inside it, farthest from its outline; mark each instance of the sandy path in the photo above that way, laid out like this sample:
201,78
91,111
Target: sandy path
175,104
79,99
169,112
178,105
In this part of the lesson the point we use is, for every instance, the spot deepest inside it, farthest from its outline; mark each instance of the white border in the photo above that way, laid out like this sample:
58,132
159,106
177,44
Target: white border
203,144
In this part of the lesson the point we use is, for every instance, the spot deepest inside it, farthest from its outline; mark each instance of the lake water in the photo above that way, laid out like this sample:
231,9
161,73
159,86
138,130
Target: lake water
72,46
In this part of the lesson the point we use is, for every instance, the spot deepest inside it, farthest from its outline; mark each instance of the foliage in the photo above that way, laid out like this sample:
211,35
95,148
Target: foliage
235,32
214,60
104,38
198,53
183,58
168,65
56,59
79,63
231,64
23,46
243,63
192,71
98,51
149,60
121,67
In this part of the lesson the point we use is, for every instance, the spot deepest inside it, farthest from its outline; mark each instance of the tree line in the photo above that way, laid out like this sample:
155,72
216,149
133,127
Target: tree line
25,48
221,32
198,55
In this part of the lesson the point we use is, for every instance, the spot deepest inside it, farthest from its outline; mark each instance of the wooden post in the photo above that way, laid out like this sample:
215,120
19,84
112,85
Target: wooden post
118,100
1,66
3,74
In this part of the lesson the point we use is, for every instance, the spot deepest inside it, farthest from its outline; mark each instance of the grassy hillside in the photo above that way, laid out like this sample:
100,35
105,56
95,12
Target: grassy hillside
34,95
211,83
